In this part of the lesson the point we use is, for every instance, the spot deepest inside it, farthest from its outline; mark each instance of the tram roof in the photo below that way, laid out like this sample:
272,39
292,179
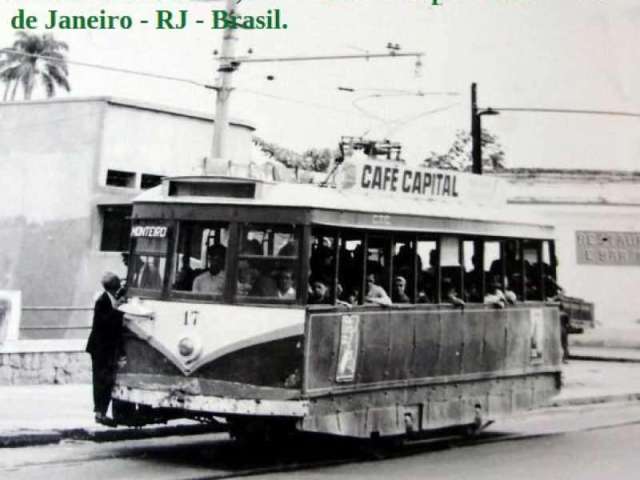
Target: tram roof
346,207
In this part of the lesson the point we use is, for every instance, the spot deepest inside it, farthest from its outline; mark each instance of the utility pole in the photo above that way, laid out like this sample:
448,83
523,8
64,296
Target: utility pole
230,63
476,130
226,68
476,135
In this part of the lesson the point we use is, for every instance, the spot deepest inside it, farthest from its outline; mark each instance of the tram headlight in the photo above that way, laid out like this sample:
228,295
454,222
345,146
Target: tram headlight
189,348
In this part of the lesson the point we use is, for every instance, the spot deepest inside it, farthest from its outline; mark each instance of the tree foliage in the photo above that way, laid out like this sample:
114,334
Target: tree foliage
314,159
19,66
458,157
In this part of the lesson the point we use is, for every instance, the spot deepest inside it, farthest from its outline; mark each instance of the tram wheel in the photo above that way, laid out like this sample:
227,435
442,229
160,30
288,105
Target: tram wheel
261,432
122,411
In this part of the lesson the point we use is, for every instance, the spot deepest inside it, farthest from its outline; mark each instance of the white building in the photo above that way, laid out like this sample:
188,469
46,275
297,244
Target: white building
69,168
597,220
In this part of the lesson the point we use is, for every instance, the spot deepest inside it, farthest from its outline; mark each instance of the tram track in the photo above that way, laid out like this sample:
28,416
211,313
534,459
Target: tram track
409,448
215,456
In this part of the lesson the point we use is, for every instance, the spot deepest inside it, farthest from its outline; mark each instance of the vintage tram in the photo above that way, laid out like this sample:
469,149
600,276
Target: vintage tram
248,301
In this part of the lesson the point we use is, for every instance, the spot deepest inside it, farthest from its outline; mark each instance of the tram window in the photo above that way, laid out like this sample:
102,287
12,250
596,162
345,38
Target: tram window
148,264
549,265
502,262
150,272
427,251
450,270
378,261
404,268
492,263
350,267
268,263
473,272
200,260
322,267
531,250
516,267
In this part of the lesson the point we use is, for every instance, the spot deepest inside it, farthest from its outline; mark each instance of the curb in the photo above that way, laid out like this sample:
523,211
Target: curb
572,402
48,437
601,358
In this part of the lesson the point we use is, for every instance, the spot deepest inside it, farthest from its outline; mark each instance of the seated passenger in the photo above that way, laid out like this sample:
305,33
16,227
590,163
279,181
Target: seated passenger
265,285
285,288
375,293
246,277
319,292
251,247
352,296
289,249
186,275
212,281
398,295
149,275
495,296
450,294
509,295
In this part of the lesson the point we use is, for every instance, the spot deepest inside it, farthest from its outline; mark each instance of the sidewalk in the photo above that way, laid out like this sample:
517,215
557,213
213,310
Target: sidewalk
42,414
39,414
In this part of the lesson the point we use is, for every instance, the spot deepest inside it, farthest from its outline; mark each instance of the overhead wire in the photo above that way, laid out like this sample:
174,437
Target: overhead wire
98,66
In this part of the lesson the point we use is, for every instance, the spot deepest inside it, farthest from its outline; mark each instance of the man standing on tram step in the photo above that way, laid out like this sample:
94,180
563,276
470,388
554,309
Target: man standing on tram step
104,345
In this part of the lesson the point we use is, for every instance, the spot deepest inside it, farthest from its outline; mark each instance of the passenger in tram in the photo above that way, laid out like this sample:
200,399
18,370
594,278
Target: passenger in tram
265,284
186,275
149,275
426,288
512,262
322,260
375,293
496,297
251,247
450,293
285,289
319,292
473,281
403,262
247,276
212,281
352,297
289,249
398,295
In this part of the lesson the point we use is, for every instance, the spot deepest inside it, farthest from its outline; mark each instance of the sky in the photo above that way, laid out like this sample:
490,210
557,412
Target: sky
577,54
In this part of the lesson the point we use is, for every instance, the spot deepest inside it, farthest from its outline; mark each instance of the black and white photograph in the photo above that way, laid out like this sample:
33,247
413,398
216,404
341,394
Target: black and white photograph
318,239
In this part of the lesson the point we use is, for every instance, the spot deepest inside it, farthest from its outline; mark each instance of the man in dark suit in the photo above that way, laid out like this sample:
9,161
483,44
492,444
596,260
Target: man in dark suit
104,343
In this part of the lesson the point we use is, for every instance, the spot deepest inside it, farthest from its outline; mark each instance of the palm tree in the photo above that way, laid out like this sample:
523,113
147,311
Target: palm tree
34,58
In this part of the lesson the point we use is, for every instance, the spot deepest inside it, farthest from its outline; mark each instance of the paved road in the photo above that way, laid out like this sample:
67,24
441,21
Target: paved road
589,442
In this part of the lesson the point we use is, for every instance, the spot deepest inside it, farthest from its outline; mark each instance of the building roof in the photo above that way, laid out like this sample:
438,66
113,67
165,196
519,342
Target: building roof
136,104
568,174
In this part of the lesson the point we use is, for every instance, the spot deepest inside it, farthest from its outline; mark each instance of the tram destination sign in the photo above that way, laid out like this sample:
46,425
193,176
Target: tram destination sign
608,248
401,180
149,231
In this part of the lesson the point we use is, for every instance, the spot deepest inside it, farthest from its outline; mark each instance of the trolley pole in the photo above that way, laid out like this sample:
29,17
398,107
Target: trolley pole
228,65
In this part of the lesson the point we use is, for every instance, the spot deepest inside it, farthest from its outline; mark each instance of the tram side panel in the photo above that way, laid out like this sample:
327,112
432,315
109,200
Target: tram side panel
387,372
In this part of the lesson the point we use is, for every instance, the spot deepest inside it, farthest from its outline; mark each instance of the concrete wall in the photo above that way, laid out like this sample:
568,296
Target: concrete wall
47,160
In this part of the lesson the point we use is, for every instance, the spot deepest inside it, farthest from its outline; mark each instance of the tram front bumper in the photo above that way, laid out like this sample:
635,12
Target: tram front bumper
177,399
